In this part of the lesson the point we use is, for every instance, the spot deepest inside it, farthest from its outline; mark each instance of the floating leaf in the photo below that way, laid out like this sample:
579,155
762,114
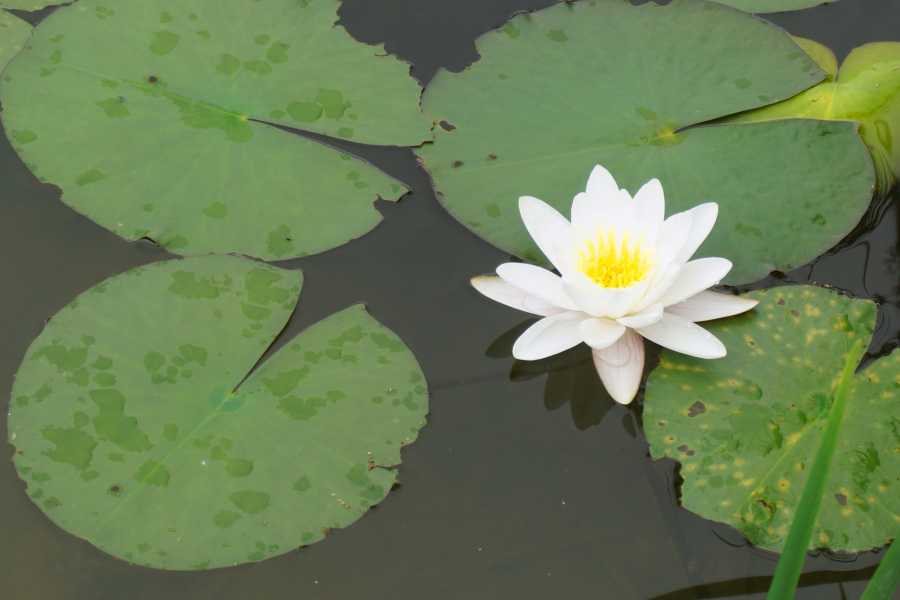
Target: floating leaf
770,6
132,438
156,118
746,427
13,34
27,5
537,112
865,90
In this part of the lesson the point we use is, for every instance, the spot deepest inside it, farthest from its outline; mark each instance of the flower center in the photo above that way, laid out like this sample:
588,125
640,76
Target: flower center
615,266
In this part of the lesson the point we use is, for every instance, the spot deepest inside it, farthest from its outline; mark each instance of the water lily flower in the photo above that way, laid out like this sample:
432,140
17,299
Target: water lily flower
625,274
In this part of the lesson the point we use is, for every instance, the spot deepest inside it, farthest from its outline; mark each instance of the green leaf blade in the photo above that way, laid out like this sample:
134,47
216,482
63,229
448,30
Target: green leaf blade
887,577
787,575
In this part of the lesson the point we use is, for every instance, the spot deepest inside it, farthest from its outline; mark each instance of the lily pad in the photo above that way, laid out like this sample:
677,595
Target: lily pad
14,32
129,435
563,89
27,5
746,427
771,6
865,90
157,119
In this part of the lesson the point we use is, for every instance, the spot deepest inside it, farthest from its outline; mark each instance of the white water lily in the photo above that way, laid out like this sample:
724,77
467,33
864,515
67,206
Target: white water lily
626,275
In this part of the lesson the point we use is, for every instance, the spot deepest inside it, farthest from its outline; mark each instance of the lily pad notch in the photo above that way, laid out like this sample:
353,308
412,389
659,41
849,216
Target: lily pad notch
132,437
203,91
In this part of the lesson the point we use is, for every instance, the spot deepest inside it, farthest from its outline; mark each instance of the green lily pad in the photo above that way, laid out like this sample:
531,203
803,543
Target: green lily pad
746,427
563,89
14,32
129,434
157,119
770,6
28,5
865,90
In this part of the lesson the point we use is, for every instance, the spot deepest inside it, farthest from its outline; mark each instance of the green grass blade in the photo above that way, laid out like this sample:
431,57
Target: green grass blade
887,577
787,574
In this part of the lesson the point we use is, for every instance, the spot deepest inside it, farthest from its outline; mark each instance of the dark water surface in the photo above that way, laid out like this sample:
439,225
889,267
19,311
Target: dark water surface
528,481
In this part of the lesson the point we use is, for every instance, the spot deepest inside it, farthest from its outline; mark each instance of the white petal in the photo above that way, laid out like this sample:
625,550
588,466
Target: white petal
703,217
601,333
586,210
708,305
601,185
544,224
622,214
676,230
620,366
648,316
565,259
496,289
651,202
549,336
678,334
659,285
604,302
694,277
536,282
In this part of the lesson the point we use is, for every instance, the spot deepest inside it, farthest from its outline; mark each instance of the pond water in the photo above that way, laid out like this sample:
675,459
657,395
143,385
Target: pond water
528,480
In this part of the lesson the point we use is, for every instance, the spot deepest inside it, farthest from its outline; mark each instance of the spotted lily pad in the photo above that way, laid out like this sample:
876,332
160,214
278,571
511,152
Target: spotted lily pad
865,90
157,119
563,89
129,435
746,427
771,6
14,32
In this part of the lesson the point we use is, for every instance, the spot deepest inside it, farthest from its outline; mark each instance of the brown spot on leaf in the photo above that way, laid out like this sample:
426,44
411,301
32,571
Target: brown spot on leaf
492,157
446,126
682,448
841,499
766,505
795,313
781,301
457,163
697,408
153,79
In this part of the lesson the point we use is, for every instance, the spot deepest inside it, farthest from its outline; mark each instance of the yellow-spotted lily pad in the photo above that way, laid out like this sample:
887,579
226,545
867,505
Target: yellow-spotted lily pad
746,427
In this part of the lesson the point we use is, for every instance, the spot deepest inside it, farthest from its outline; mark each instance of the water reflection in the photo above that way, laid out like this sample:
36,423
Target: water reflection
760,584
571,378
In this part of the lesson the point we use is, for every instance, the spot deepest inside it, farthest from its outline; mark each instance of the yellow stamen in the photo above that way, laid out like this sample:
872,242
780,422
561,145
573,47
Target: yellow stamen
615,266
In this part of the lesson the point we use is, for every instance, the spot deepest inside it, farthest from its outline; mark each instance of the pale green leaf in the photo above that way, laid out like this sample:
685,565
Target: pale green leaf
130,436
771,6
563,89
865,90
14,32
156,118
